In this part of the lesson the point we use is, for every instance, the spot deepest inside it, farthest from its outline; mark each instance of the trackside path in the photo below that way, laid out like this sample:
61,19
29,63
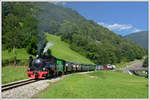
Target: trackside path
136,66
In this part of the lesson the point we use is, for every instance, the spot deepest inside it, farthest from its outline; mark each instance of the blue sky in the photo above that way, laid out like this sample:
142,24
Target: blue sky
121,17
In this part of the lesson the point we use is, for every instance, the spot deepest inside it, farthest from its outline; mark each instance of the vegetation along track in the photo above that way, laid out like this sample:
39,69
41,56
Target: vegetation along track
17,84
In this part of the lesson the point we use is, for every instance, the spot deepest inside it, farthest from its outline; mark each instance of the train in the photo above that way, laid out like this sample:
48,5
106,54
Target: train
105,67
45,66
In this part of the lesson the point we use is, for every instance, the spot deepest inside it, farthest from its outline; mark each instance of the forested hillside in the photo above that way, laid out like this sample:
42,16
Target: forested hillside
19,27
25,24
140,38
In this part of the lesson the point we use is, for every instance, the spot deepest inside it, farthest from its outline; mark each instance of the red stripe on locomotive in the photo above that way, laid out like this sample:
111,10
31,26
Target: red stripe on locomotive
38,75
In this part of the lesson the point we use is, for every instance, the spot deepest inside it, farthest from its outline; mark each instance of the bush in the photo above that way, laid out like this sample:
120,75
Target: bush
145,63
32,47
11,61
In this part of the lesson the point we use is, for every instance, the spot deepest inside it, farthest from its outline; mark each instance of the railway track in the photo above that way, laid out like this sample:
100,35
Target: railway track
17,84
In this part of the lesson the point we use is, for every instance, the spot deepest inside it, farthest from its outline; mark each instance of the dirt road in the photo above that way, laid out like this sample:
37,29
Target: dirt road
136,66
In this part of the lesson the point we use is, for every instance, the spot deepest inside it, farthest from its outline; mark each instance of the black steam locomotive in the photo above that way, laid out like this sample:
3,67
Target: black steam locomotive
44,66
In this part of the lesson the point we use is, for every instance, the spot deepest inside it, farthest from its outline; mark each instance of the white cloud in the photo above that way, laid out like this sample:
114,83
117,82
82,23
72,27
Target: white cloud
136,30
119,27
54,2
59,3
101,23
116,26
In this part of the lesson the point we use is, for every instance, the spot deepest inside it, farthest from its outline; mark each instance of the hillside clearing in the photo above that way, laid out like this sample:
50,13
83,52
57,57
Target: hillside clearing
61,50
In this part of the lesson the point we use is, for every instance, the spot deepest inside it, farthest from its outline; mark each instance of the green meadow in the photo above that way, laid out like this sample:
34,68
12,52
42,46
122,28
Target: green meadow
21,54
61,50
99,84
13,73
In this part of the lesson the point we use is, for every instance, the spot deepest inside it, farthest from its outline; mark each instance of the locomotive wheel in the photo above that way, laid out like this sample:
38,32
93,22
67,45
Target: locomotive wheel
59,73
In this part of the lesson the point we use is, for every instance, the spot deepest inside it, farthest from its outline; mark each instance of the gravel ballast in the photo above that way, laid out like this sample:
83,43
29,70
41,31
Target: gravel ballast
29,90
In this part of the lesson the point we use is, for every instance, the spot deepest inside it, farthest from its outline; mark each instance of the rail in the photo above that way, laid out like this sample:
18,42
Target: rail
17,84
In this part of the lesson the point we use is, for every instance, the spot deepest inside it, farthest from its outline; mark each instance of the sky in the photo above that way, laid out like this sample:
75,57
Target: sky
121,17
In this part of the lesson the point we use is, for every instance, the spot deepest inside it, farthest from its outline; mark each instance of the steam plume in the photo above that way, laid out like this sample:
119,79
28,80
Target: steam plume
41,42
48,45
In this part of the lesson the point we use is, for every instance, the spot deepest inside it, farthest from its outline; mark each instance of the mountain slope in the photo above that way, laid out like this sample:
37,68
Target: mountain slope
86,37
140,38
61,50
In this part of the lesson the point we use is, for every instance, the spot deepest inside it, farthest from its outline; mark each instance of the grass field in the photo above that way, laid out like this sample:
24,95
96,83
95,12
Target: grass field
100,84
12,73
21,54
61,50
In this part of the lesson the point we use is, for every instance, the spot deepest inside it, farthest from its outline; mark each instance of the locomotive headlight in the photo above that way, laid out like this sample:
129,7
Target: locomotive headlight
28,69
44,69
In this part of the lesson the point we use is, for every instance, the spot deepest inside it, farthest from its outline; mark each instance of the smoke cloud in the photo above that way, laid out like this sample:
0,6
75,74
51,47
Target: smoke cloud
41,43
48,45
43,27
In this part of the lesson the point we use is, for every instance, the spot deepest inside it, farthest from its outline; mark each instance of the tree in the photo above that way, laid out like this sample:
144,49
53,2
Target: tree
145,63
12,34
32,46
19,27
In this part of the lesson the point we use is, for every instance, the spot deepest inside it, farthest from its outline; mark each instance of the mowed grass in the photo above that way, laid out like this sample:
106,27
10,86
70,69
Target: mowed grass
61,50
99,84
21,54
12,73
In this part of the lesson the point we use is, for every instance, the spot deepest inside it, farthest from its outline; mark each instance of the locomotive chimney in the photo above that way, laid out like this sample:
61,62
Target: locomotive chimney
38,55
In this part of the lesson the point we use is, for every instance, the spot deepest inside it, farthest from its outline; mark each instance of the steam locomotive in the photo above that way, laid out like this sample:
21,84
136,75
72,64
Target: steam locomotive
44,66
